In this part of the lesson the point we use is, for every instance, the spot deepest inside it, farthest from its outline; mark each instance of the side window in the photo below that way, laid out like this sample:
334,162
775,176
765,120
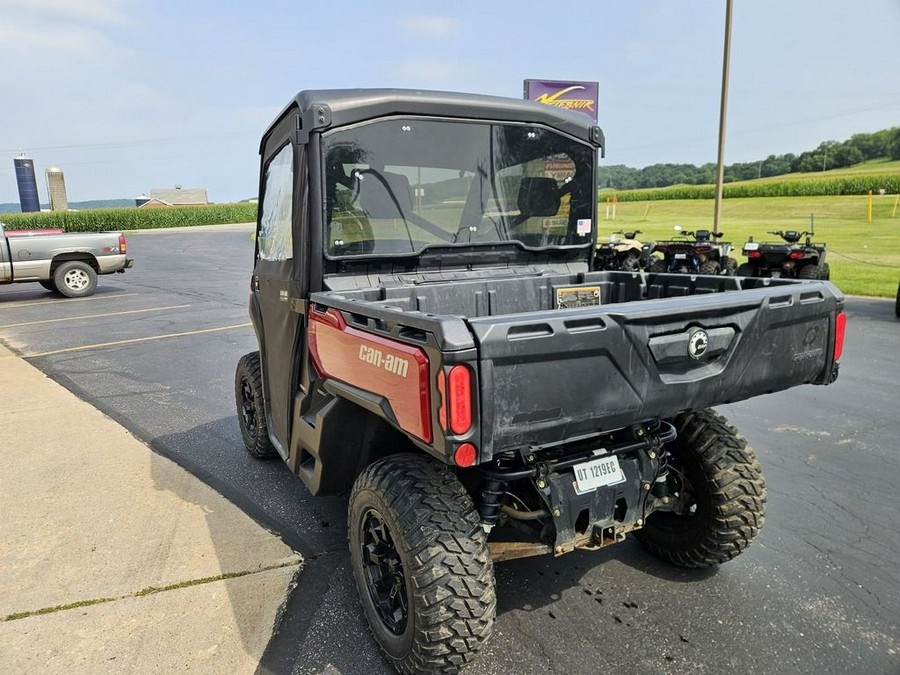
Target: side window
274,238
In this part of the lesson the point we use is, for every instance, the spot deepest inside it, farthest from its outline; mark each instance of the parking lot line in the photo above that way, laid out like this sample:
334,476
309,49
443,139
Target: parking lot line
134,340
93,316
69,300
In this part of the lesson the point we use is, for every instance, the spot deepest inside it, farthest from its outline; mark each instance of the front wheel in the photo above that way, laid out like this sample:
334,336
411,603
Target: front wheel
630,263
75,279
251,407
720,490
421,564
49,285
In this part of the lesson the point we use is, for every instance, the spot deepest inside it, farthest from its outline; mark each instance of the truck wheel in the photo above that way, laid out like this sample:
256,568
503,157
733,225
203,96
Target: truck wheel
49,285
725,490
809,272
421,564
710,267
75,279
251,409
745,270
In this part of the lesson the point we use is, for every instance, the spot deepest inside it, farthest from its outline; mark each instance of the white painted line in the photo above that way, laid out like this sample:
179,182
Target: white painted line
93,316
69,300
133,341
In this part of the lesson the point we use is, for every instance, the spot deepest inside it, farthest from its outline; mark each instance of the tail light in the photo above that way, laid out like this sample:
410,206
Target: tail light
840,324
754,254
796,255
459,394
704,249
122,248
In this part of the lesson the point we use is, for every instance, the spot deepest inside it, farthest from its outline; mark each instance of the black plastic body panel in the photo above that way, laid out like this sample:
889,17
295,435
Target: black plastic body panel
547,374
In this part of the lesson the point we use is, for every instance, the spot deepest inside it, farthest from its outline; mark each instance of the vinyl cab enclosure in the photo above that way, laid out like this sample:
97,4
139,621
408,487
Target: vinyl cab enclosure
436,339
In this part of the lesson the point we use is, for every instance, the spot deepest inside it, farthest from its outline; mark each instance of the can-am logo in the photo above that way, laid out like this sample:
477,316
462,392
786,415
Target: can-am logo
389,362
698,343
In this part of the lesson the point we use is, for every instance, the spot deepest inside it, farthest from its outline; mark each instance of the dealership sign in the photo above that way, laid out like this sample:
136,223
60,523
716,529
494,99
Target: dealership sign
580,96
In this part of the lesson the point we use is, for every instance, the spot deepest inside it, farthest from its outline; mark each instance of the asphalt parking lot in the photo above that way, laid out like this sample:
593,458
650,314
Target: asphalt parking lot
155,349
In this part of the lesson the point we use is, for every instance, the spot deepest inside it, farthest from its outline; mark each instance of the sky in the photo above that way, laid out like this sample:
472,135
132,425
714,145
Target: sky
130,95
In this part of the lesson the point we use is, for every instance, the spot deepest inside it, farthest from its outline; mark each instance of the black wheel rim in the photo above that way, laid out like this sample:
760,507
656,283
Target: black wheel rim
383,571
248,409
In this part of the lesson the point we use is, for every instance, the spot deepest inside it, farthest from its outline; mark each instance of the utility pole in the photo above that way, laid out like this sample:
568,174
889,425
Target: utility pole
720,170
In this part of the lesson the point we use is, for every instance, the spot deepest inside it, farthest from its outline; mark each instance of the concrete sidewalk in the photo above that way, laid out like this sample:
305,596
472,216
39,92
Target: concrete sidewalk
114,559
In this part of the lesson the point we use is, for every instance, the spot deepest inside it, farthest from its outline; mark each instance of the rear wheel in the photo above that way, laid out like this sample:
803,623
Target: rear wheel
721,490
421,564
729,266
251,407
75,279
710,267
809,272
745,270
825,271
657,265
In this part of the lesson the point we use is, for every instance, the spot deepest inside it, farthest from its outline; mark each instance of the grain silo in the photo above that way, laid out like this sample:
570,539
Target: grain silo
28,192
56,188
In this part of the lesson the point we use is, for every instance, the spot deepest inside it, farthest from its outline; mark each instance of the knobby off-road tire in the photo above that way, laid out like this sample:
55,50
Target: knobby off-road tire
724,480
710,267
75,279
251,407
745,270
657,265
421,564
809,272
825,271
729,266
631,263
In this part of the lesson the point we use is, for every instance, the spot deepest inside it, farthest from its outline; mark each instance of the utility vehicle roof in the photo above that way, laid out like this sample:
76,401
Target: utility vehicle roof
328,108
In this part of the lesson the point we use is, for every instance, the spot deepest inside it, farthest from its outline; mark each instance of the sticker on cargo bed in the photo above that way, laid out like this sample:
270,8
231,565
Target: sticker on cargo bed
584,226
580,296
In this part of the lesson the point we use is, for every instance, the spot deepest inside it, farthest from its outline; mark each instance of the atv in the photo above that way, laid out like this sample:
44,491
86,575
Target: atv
790,259
700,255
627,255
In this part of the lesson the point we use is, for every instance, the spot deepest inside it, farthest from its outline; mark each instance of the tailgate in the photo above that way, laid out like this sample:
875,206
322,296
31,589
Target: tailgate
551,376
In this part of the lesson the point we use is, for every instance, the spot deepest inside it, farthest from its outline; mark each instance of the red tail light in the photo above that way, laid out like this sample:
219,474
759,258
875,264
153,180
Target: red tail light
122,248
459,393
754,254
840,324
465,455
796,255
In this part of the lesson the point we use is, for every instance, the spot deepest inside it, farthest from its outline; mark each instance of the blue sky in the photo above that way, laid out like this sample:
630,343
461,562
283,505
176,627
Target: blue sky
129,95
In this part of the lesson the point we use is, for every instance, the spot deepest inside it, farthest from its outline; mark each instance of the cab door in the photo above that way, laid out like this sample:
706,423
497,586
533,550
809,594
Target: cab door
274,280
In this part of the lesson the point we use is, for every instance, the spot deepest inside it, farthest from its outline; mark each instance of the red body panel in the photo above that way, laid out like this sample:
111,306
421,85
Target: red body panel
395,370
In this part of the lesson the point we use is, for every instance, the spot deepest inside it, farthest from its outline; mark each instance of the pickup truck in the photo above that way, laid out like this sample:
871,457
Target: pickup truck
435,338
63,263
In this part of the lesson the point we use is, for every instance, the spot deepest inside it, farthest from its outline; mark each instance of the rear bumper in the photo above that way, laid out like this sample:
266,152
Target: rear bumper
113,263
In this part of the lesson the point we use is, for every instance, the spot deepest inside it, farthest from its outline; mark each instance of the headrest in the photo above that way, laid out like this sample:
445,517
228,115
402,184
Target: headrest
384,194
538,196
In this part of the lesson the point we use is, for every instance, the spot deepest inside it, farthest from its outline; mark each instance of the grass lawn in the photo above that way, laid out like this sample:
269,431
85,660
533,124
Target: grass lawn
864,257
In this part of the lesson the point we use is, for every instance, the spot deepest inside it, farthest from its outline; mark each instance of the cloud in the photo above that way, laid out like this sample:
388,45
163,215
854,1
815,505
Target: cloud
431,27
90,11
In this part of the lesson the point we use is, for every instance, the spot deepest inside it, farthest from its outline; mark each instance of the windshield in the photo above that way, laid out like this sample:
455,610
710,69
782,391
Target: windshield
395,186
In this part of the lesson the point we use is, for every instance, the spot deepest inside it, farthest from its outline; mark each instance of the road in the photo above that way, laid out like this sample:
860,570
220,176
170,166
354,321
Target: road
819,591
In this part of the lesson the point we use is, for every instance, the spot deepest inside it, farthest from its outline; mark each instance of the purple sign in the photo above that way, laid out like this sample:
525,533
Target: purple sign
581,96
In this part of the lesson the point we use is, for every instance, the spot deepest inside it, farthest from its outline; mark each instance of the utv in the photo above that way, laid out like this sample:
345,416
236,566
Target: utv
693,253
434,340
790,259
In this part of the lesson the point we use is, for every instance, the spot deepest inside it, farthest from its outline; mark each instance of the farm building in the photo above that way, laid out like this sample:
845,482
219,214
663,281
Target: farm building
177,196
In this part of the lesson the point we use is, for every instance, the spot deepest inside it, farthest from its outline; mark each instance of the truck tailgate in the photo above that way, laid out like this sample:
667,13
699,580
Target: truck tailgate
554,375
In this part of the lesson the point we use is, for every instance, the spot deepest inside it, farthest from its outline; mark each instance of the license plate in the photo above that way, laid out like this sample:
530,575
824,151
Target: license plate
680,256
751,246
598,472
